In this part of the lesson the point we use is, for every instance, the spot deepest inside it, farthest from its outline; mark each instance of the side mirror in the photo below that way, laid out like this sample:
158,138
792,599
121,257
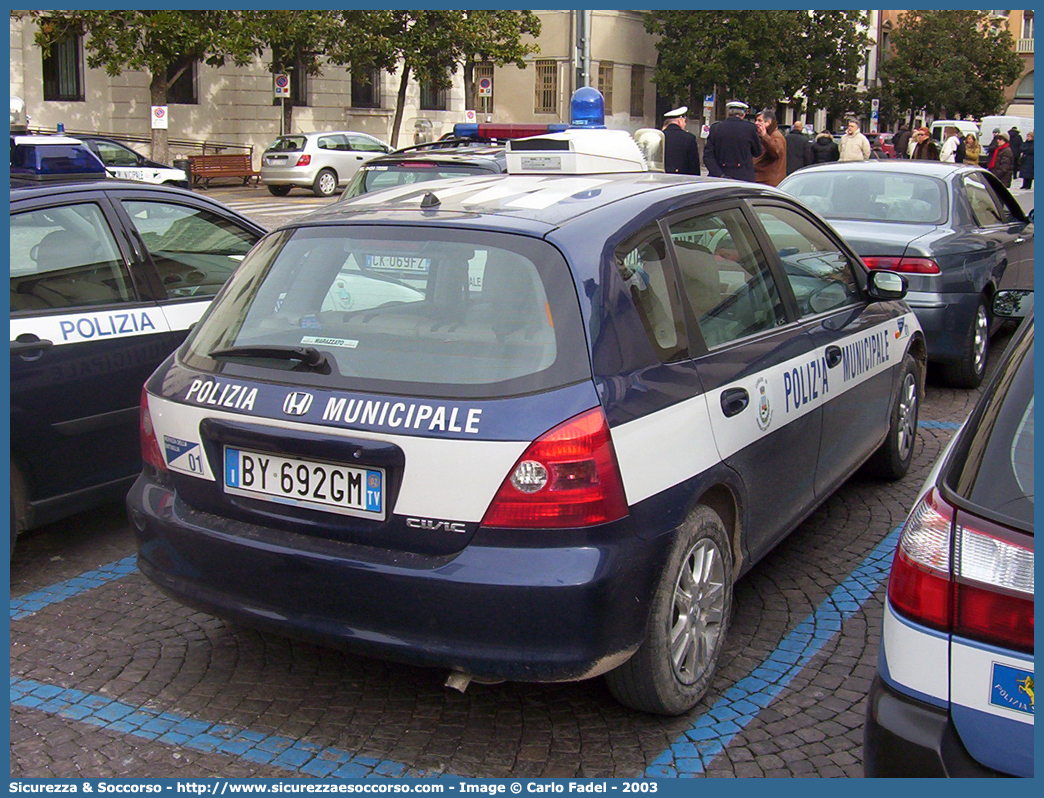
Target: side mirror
1013,304
885,286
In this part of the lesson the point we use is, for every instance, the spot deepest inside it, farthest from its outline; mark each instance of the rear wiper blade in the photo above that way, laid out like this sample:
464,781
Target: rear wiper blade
309,356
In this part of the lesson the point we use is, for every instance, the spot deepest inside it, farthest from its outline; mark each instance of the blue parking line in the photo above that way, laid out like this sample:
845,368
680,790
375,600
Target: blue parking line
939,424
297,756
741,703
24,606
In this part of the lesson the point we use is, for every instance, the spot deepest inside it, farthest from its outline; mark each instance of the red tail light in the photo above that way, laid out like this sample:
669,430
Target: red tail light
151,453
304,160
919,586
904,265
961,580
994,596
568,477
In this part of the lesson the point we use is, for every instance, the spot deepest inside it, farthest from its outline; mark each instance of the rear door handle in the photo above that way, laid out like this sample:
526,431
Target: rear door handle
734,401
29,347
833,356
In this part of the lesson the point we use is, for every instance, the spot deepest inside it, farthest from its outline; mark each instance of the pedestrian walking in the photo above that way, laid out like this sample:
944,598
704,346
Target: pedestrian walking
924,148
771,166
681,151
1002,162
854,146
732,145
799,148
1015,142
972,150
1026,167
902,141
824,150
951,141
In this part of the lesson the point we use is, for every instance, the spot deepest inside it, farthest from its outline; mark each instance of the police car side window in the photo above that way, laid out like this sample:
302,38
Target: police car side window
194,250
65,257
730,289
819,273
642,263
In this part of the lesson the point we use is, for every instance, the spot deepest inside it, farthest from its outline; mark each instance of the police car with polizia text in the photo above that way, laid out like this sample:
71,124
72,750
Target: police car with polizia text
528,426
106,278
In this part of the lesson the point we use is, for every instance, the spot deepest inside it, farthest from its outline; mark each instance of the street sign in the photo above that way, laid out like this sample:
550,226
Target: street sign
875,115
160,120
470,117
281,86
485,87
708,99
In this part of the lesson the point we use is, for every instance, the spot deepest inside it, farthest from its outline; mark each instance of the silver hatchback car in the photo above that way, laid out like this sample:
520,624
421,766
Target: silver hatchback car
319,161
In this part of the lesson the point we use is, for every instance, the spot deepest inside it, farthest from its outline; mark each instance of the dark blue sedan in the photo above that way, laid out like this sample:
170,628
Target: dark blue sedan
955,232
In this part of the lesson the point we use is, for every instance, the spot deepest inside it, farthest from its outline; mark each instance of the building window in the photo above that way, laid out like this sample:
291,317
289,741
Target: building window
366,87
638,90
605,84
546,87
484,71
1027,24
432,99
63,70
184,90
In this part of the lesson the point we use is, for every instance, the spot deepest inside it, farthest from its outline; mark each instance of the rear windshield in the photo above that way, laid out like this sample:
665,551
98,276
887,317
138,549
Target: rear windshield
420,310
288,144
997,473
374,178
871,196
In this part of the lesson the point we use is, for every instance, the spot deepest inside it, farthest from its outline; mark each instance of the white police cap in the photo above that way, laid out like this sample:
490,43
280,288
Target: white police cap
737,105
677,112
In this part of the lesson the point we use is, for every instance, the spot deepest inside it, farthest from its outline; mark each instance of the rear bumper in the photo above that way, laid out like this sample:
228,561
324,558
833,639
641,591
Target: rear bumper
288,175
945,319
518,612
904,737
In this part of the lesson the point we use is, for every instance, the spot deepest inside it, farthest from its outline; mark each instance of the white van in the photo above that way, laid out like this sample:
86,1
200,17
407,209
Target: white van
964,127
1004,124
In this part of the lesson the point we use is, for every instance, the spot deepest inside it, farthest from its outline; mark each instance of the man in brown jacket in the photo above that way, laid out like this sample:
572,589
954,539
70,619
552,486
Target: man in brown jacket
771,166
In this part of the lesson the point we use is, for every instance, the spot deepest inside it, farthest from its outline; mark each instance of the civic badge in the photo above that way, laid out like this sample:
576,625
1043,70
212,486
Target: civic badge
297,403
764,405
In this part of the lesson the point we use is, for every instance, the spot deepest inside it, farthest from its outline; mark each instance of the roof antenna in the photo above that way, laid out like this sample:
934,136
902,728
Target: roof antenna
430,201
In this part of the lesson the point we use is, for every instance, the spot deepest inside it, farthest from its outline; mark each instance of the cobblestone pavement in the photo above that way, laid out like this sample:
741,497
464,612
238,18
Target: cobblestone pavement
111,678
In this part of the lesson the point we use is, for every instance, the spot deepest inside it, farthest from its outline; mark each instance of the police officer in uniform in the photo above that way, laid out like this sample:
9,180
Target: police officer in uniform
732,145
681,151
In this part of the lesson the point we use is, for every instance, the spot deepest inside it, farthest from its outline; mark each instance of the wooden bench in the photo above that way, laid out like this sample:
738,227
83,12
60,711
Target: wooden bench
205,168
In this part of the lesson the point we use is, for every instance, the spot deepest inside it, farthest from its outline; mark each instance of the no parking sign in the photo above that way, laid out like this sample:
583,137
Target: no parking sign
281,85
485,87
159,117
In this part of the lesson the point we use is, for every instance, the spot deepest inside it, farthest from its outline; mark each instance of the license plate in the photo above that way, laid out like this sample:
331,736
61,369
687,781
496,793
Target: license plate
398,263
305,483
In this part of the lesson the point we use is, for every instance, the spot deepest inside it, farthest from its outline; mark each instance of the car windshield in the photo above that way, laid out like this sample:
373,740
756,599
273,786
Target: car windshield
420,310
288,144
374,178
870,195
997,473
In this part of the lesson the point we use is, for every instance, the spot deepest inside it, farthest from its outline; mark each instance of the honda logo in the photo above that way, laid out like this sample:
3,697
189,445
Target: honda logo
297,403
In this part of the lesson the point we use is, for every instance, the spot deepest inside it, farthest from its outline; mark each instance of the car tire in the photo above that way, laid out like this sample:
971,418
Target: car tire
279,191
325,183
688,622
892,459
971,368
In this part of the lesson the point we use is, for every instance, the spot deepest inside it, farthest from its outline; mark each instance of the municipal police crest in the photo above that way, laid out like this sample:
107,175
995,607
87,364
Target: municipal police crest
764,405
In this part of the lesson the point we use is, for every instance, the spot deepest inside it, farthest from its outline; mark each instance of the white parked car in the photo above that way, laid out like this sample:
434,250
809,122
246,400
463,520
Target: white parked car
319,161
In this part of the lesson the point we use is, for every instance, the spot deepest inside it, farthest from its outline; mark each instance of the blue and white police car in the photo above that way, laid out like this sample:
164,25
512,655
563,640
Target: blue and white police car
954,692
528,426
106,278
